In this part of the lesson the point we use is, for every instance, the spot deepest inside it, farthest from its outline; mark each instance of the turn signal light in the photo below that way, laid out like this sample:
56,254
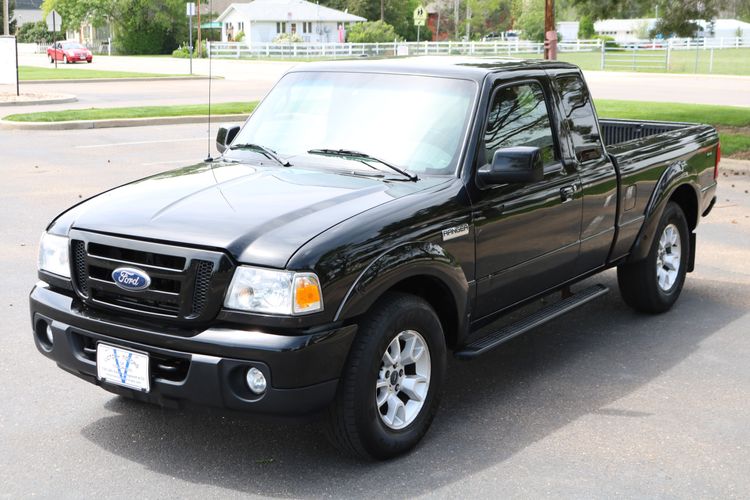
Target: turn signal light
307,294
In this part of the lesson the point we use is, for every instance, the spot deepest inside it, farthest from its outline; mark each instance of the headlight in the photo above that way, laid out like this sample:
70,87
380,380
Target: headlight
274,292
53,255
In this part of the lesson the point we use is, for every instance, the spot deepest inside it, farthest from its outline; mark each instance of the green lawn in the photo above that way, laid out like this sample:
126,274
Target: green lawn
69,72
733,123
725,61
227,108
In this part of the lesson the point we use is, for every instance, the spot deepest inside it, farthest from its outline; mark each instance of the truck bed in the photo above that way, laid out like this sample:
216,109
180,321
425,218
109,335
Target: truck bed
642,151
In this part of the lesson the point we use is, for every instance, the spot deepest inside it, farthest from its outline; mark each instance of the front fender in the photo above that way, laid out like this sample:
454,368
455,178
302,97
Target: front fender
675,176
405,261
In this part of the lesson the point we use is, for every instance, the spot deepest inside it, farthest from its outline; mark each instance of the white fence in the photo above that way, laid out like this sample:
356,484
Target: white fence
345,50
238,50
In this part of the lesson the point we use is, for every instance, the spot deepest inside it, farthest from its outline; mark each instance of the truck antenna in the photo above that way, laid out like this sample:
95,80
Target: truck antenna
209,159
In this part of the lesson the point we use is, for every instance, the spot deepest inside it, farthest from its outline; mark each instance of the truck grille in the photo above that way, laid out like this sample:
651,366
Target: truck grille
186,284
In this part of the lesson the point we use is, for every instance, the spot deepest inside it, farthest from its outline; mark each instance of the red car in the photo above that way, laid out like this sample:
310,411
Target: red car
69,52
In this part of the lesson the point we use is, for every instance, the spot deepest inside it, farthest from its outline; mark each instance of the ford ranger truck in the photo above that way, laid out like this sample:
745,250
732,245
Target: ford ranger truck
367,220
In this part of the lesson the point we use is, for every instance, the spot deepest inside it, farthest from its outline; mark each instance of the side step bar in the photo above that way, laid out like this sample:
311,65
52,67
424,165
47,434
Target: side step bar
530,322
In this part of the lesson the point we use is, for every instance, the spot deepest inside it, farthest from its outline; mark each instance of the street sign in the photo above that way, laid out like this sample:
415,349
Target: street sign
54,21
190,7
420,16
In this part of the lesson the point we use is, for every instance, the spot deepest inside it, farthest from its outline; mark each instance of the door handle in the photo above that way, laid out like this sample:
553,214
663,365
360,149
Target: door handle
567,193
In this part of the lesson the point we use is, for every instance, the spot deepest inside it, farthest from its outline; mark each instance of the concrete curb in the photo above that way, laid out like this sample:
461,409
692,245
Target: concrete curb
111,80
116,123
732,164
57,100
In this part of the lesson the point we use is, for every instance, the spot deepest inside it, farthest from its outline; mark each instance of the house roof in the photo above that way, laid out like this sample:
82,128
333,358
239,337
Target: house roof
288,10
28,4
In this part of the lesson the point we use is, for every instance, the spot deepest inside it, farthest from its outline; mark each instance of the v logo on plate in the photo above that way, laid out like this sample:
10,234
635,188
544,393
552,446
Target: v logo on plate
123,373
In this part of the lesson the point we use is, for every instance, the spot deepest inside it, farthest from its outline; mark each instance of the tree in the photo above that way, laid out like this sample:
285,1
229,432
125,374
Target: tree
586,28
149,26
531,20
76,12
34,33
489,16
372,32
677,18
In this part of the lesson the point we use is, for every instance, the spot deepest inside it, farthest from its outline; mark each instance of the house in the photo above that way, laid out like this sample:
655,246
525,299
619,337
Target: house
567,31
262,21
28,11
725,28
625,30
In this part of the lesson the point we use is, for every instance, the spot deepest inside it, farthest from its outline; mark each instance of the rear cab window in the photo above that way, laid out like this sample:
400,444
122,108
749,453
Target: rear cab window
579,118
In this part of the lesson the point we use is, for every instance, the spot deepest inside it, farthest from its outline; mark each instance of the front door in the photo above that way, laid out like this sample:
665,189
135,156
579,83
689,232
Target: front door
527,235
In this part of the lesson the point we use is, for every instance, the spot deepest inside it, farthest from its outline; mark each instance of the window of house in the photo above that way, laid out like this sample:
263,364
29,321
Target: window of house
241,26
307,27
281,27
294,28
518,117
579,118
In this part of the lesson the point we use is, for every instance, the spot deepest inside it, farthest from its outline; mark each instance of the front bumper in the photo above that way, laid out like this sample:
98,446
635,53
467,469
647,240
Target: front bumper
205,368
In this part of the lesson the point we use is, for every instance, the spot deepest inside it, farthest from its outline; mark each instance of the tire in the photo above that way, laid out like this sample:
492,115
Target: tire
51,60
357,423
653,285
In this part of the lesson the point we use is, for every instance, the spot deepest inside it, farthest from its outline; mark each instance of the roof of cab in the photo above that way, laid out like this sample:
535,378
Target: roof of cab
447,66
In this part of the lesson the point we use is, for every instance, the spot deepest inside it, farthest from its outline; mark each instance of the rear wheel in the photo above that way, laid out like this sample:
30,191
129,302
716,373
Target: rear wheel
51,60
653,284
391,384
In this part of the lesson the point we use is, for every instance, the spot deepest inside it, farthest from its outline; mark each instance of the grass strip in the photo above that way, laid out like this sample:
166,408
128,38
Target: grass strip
65,72
224,108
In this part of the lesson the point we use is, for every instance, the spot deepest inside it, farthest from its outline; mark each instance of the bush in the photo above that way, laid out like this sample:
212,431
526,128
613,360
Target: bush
183,51
34,33
372,32
586,28
240,36
531,23
288,38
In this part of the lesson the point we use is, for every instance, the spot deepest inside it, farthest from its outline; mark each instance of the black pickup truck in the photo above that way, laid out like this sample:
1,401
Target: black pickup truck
367,219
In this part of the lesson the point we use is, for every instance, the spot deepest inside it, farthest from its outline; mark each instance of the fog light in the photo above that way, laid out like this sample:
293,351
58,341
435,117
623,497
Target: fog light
50,338
256,381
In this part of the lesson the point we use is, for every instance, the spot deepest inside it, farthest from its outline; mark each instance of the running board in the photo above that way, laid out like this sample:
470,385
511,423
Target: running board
530,322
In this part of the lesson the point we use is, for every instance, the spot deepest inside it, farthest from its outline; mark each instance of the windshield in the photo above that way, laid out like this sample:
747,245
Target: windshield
417,123
70,46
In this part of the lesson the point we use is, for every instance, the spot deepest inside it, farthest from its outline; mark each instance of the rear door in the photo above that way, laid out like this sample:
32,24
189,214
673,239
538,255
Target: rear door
582,147
527,235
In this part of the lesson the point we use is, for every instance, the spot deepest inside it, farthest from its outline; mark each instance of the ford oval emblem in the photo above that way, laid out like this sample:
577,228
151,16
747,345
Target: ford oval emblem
130,278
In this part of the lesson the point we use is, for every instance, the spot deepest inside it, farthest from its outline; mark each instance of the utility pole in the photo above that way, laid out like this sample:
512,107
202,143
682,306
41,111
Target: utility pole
382,10
6,21
550,33
200,47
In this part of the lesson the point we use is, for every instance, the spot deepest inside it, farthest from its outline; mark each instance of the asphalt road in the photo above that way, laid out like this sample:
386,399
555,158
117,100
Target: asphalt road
602,403
247,80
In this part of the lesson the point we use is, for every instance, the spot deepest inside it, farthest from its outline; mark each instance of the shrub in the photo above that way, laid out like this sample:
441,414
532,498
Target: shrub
372,32
183,51
586,28
240,36
34,33
288,38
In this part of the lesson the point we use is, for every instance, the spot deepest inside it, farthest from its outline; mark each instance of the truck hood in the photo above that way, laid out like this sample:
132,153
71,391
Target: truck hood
260,215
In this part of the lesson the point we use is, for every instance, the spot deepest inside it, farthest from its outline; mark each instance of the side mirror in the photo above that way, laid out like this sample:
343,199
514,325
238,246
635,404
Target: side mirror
517,165
225,136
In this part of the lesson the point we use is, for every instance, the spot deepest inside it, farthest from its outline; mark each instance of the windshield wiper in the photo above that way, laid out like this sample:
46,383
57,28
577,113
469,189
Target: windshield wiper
361,157
267,152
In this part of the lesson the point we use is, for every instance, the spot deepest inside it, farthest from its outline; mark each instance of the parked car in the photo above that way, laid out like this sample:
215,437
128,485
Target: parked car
70,52
367,220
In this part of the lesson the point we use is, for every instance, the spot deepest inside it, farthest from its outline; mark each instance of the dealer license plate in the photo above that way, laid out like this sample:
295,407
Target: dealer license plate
119,366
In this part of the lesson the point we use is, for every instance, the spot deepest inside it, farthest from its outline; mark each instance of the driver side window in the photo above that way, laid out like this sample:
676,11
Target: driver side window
518,117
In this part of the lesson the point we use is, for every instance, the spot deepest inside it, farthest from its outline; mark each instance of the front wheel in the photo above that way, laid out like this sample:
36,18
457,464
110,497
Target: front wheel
653,284
390,387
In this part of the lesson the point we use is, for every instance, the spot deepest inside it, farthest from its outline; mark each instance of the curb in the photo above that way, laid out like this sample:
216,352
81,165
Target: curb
112,80
117,123
59,100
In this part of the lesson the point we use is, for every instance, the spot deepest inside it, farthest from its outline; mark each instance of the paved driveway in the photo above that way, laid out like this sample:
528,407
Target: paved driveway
602,403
